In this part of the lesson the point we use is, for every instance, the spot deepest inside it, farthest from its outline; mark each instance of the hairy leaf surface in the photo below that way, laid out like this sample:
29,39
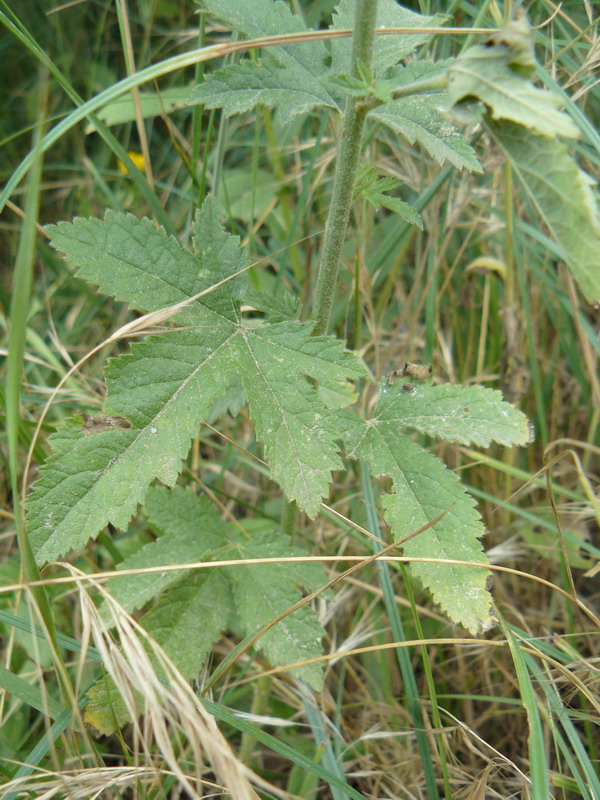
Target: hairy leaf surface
169,383
424,488
238,88
421,118
463,414
190,531
262,592
288,78
132,261
262,18
190,618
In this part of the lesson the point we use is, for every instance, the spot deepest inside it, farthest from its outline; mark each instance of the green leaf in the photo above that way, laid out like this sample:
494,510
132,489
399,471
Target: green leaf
563,196
463,414
238,88
132,261
277,308
372,188
497,75
190,531
105,711
262,592
404,210
20,689
288,78
262,18
423,489
287,414
388,50
169,384
165,387
420,118
190,618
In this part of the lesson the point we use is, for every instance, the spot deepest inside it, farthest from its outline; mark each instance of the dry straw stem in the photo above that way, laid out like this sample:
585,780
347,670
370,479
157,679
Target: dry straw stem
103,576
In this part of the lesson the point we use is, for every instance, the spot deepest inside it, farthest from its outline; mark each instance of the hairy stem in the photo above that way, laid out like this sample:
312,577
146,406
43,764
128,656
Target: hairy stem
345,169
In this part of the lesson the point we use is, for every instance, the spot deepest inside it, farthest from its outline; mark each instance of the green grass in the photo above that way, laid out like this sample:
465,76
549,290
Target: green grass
446,718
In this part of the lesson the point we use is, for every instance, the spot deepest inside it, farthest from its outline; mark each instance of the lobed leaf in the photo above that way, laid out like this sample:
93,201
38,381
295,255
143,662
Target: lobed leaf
197,608
421,118
132,261
190,531
263,592
288,415
169,384
238,88
563,196
463,414
166,386
423,489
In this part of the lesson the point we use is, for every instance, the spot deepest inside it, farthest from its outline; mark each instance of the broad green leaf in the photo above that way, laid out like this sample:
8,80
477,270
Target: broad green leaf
190,618
563,196
169,384
497,74
196,609
134,262
421,119
262,18
299,445
165,387
464,414
186,623
152,104
388,49
262,592
423,489
238,88
277,308
134,591
191,531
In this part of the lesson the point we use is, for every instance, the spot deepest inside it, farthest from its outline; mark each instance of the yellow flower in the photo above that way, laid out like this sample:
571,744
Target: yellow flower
137,158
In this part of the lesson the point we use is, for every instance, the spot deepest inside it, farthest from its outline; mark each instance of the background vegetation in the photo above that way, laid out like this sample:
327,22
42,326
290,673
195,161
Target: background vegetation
489,710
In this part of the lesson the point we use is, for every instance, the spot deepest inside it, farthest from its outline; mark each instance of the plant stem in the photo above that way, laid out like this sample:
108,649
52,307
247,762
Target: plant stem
435,84
345,169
